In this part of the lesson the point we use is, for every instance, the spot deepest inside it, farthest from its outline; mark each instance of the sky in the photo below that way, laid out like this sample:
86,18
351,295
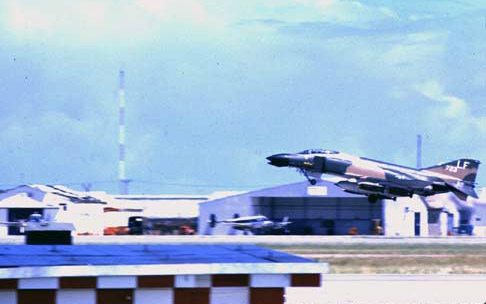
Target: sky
214,87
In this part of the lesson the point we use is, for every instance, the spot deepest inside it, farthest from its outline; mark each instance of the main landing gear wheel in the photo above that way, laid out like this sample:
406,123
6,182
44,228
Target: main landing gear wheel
312,182
372,199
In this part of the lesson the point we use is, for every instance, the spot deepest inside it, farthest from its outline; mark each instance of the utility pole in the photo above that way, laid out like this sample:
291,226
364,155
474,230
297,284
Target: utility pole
419,151
122,179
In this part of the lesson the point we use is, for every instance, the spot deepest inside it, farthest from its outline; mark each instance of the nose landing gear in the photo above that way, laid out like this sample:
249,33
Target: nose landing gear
310,179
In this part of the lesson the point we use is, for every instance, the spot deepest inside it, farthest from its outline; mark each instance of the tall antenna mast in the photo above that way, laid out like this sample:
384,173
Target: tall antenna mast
419,151
122,178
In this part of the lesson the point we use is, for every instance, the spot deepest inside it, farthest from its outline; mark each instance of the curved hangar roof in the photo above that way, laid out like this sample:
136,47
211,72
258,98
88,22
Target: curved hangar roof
323,188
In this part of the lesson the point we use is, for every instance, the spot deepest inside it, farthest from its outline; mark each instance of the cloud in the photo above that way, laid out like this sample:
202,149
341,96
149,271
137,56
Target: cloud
354,13
454,113
91,21
325,17
23,19
414,56
53,147
174,10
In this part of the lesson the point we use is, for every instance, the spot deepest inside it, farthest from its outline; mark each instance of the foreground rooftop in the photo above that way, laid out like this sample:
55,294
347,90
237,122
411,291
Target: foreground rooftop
23,261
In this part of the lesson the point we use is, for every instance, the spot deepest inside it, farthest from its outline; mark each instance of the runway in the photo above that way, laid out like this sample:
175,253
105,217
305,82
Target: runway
274,239
350,289
393,289
261,239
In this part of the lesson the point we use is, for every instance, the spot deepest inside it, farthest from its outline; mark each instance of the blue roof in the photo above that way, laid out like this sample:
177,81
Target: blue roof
64,255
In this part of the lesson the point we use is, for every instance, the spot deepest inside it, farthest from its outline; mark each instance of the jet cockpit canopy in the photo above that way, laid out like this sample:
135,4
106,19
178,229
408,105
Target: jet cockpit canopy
318,151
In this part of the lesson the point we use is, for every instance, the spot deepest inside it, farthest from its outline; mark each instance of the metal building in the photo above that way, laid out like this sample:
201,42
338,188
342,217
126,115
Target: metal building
323,209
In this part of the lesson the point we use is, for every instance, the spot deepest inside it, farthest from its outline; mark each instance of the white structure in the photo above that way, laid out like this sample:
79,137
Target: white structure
92,212
55,203
120,207
478,214
20,205
405,217
444,214
479,220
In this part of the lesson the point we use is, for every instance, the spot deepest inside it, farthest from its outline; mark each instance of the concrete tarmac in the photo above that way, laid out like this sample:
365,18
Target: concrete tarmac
274,239
260,239
393,289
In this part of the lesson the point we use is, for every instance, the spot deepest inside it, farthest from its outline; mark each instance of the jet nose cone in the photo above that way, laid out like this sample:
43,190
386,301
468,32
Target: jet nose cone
279,160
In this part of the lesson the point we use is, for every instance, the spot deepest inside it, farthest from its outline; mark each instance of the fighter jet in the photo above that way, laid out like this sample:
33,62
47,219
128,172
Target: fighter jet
254,224
381,180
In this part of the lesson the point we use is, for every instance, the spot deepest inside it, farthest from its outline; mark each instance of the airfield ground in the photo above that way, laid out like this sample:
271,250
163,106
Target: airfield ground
345,254
395,258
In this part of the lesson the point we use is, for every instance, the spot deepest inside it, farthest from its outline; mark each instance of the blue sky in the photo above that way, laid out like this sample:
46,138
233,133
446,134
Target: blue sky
213,87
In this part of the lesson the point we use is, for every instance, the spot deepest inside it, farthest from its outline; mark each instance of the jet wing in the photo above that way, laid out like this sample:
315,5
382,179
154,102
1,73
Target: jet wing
402,175
335,179
239,225
13,223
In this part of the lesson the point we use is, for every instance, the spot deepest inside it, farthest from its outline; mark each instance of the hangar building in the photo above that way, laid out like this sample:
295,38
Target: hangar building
325,209
321,209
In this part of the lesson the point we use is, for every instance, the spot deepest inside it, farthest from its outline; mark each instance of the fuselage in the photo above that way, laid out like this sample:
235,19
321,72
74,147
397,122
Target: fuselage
249,222
372,177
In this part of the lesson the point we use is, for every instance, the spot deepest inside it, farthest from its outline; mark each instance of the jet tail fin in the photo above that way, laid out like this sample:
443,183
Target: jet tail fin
463,169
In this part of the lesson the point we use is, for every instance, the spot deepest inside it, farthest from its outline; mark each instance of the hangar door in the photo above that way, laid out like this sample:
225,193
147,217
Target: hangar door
323,215
20,214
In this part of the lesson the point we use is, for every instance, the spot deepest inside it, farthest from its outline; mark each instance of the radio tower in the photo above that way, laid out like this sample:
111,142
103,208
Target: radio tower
419,151
123,181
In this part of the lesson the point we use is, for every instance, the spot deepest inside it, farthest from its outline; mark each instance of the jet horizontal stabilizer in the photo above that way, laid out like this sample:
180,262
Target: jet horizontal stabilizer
462,191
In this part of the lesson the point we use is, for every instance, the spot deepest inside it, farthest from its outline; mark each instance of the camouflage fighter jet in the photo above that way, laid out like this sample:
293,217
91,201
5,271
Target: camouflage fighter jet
381,180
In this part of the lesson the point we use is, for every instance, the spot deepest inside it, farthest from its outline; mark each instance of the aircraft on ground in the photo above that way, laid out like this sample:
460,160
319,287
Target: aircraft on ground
33,218
381,180
254,224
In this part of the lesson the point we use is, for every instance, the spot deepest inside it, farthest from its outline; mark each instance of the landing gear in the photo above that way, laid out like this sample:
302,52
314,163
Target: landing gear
311,180
372,199
212,220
